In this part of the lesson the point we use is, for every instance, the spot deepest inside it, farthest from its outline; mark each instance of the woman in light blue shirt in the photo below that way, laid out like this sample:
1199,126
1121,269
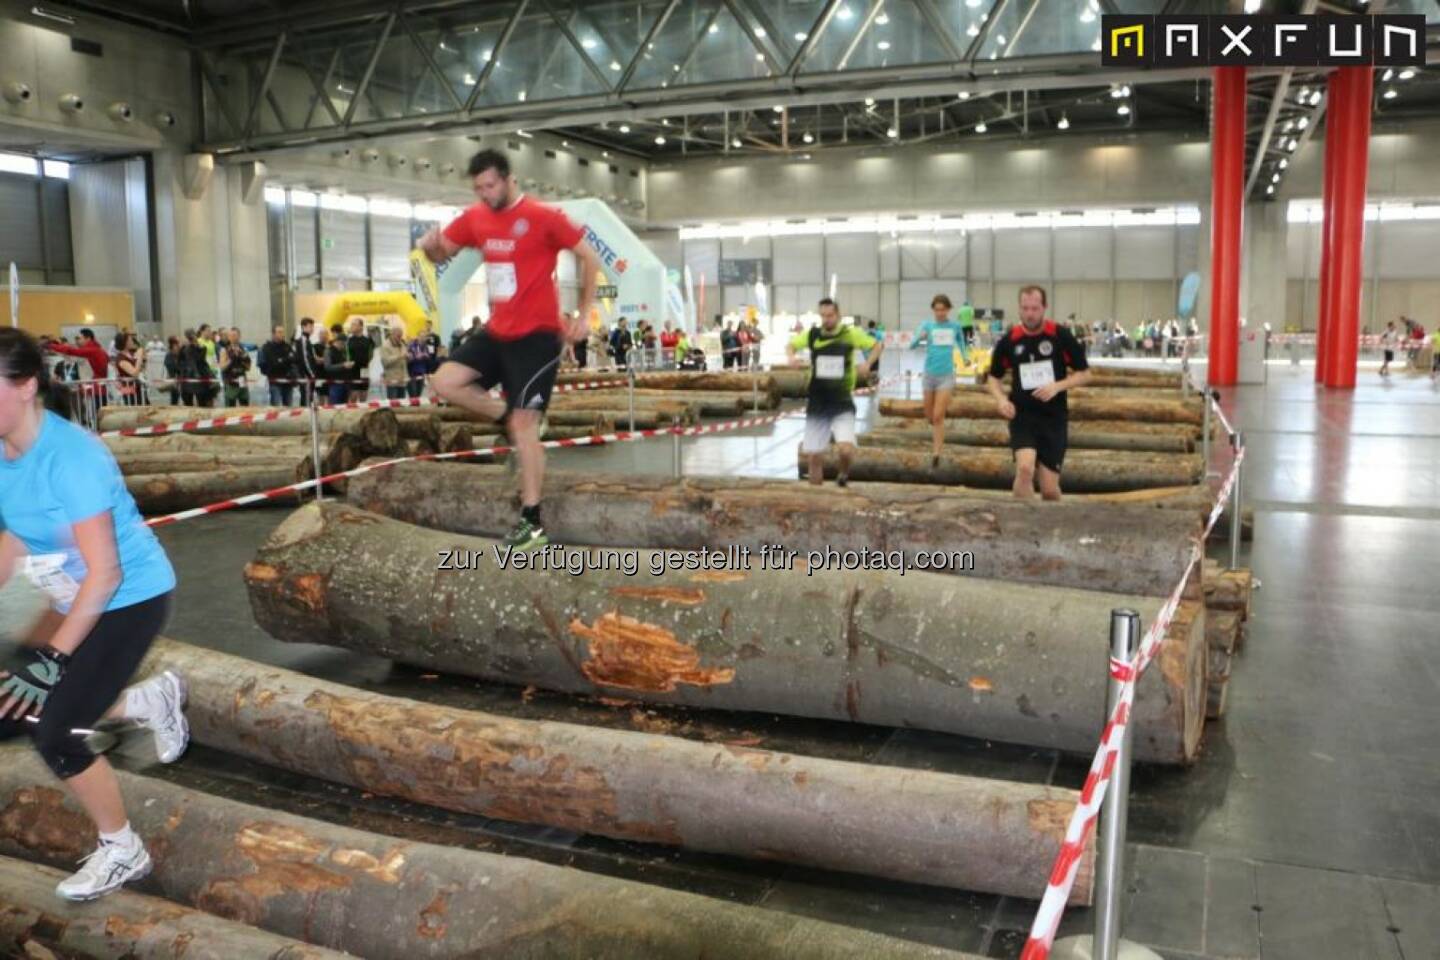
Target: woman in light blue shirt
72,530
940,337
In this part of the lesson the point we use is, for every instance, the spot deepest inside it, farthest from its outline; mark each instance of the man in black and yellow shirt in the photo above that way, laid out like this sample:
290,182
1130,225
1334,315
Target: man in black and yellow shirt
830,409
1044,360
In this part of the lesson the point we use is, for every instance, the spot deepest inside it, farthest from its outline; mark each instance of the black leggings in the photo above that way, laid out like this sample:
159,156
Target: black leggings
98,673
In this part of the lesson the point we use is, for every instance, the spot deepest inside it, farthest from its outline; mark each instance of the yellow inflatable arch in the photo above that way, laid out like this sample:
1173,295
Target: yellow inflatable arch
370,304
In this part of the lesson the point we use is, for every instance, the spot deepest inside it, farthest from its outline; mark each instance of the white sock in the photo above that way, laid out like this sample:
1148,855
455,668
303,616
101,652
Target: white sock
125,837
137,704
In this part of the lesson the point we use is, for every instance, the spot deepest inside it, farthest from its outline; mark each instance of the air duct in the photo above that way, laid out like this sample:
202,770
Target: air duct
71,103
17,93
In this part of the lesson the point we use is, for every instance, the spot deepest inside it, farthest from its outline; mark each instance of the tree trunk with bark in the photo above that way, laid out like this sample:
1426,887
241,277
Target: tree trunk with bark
150,463
1117,549
386,899
595,422
744,383
981,407
665,412
996,433
1107,391
1223,630
963,655
794,382
169,493
909,825
124,926
338,452
1228,589
377,428
419,425
1086,471
456,437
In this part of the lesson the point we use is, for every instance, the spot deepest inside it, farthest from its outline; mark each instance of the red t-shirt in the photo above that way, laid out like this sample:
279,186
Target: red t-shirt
520,245
669,339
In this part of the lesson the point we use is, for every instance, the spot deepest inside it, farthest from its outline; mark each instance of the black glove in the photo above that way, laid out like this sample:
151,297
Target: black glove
30,684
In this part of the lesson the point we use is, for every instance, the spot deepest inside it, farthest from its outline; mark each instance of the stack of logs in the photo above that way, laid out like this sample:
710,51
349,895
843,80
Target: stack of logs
183,469
1227,614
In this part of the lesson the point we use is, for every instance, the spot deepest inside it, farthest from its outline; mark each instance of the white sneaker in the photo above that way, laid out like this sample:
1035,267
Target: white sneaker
162,703
110,867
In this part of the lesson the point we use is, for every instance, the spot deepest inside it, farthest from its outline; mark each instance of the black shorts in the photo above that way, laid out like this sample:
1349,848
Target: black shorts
1047,436
1389,355
524,368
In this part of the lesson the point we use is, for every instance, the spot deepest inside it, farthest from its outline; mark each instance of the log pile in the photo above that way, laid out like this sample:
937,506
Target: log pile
909,825
177,471
1227,605
1085,435
928,650
386,899
980,406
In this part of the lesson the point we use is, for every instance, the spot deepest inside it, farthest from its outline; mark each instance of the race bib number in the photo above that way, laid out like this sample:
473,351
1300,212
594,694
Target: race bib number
1037,374
500,281
942,338
47,573
830,368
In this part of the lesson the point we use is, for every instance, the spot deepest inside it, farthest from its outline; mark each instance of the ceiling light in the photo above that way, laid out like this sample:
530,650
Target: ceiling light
588,43
883,45
972,3
778,109
564,143
1123,109
659,141
974,30
735,143
664,123
605,154
892,133
485,57
1096,44
1275,178
1270,190
1252,6
801,37
1387,76
1125,90
1289,125
1315,98
1087,15
714,28
981,127
526,134
1116,93
677,68
869,101
760,57
1000,39
1284,162
964,94
1291,145
844,13
624,128
615,65
1303,122
521,98
883,19
470,79
1407,74
1064,123
808,138
1390,93
759,31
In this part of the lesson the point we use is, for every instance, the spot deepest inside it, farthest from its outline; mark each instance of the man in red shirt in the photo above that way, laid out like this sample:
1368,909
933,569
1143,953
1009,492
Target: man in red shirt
88,349
519,348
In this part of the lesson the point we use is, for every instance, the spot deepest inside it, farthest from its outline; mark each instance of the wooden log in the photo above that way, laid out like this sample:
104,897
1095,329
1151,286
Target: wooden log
478,424
909,825
712,403
1222,638
386,899
794,382
338,451
143,463
416,448
378,429
1184,653
168,493
1222,629
1227,589
981,407
744,383
996,433
418,425
455,437
597,421
123,926
1086,471
1118,549
665,412
1108,391
988,659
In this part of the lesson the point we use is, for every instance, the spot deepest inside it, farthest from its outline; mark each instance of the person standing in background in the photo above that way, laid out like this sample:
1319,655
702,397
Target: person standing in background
277,364
128,370
309,359
172,369
234,370
394,362
339,368
362,351
1387,344
940,337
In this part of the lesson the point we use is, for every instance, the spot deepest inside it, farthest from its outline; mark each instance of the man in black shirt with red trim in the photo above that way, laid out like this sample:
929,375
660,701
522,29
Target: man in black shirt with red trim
1044,360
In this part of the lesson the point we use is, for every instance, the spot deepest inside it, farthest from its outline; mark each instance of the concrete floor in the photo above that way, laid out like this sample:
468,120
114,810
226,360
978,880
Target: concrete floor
1309,829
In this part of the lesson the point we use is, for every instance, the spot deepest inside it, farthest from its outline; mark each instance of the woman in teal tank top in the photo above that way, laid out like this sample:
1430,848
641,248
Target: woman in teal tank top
940,337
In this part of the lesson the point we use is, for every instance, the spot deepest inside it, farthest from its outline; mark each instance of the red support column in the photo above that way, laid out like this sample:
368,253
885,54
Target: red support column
1323,335
1347,241
1227,207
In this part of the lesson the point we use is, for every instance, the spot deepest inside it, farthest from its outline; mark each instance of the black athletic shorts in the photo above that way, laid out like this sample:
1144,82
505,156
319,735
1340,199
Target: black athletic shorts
524,368
1047,436
1389,356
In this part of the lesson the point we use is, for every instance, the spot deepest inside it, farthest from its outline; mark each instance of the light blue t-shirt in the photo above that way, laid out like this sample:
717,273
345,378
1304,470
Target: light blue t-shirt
940,350
68,476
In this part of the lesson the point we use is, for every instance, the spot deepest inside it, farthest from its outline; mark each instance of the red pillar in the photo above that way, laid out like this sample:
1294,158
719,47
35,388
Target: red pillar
1327,205
1227,206
1347,241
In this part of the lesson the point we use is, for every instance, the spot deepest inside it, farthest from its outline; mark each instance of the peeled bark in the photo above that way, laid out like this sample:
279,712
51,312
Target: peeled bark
910,825
123,926
386,899
456,437
1117,549
168,493
1086,471
378,429
981,658
980,406
995,433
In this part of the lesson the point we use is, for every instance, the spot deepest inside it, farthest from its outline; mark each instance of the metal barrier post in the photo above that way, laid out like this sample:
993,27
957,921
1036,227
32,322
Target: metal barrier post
1237,444
315,445
1205,433
630,375
1106,944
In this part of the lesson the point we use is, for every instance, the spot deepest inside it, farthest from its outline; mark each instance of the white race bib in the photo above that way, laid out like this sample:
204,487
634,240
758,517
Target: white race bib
47,572
830,368
1036,374
500,281
942,338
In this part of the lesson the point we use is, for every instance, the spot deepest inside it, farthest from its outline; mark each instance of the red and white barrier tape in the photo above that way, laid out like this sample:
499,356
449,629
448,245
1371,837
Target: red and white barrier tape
498,450
1102,767
882,384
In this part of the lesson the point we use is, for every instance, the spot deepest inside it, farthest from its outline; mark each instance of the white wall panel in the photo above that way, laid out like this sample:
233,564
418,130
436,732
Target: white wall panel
799,259
981,244
917,256
390,248
1022,255
915,297
1082,253
703,259
342,238
854,258
950,255
1144,253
